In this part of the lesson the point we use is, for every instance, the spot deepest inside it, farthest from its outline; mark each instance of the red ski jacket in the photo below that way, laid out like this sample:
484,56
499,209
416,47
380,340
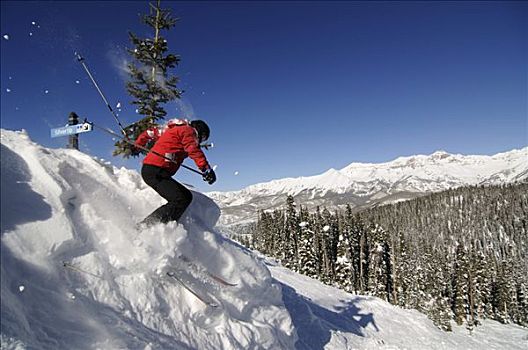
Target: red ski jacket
152,134
176,142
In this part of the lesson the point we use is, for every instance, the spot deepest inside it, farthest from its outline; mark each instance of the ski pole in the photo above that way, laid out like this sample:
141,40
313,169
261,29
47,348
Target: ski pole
111,132
81,61
69,265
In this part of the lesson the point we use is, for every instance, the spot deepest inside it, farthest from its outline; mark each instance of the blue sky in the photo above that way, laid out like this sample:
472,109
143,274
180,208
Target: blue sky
288,88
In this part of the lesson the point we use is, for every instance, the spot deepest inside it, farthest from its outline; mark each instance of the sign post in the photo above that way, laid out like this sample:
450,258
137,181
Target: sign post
73,119
72,130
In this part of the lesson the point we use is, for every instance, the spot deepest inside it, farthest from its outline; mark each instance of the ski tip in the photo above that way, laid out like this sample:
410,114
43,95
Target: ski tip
222,281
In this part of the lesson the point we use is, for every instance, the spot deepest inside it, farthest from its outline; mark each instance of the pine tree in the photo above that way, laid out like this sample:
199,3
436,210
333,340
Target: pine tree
151,84
379,276
343,269
278,237
507,305
364,248
403,270
460,285
485,270
522,300
440,288
260,232
359,253
291,234
318,242
329,230
307,263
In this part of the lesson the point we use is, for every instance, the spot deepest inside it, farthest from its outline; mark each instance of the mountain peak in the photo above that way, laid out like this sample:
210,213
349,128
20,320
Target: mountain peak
440,154
364,184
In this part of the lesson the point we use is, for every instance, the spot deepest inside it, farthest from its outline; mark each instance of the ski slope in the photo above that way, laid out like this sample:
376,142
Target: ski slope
329,318
62,205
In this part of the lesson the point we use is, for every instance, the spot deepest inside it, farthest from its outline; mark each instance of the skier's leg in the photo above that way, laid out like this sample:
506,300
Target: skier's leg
177,195
151,176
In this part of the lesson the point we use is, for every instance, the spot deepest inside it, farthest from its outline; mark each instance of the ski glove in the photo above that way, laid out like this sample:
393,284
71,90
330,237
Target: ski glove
134,151
209,176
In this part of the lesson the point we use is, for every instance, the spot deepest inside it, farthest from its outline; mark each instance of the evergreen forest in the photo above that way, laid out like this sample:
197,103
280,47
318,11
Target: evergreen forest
460,255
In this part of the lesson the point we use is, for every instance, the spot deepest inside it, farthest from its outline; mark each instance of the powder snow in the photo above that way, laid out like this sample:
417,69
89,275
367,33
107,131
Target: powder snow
76,274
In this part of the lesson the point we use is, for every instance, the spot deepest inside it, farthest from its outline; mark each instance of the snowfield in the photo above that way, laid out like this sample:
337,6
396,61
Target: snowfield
61,205
329,318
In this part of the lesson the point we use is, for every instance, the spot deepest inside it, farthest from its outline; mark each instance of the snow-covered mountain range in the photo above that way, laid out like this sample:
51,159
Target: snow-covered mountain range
363,185
62,205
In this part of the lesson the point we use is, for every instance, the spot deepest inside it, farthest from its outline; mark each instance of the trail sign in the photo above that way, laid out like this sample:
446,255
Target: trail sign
71,130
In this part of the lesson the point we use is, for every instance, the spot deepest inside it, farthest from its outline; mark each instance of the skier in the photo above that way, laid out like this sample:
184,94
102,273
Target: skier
177,140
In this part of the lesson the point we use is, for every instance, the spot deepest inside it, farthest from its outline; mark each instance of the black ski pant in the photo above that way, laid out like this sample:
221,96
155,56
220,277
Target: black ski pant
178,196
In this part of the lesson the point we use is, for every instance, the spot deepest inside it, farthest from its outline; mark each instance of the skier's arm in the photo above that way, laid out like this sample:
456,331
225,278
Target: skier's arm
192,148
146,137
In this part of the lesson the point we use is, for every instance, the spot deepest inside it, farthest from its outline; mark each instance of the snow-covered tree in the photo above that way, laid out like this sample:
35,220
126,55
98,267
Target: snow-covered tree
460,254
291,234
151,83
379,270
460,285
307,257
343,265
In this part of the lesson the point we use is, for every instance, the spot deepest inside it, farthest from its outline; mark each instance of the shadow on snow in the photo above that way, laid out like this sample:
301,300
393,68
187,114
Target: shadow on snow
20,204
314,323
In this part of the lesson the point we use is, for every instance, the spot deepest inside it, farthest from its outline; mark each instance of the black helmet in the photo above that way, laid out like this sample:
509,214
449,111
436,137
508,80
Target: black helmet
202,129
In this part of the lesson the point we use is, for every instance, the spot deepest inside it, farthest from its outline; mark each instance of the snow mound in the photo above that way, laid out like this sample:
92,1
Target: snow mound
64,206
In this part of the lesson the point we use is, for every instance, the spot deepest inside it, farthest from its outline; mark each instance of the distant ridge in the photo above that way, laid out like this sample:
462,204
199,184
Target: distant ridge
367,184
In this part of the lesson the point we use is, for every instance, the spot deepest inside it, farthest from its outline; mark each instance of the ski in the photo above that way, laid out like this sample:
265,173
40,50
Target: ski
221,281
202,269
206,300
